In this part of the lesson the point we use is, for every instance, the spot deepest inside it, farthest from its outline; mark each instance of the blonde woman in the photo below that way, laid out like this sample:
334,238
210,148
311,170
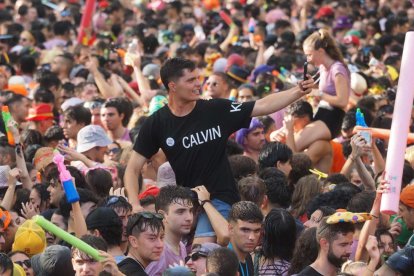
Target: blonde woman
334,90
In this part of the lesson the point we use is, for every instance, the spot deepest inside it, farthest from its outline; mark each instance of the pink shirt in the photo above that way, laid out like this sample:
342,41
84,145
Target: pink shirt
327,80
168,257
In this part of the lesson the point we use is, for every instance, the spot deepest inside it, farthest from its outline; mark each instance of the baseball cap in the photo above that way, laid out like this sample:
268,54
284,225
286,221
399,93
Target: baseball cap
102,217
17,85
30,238
92,136
351,39
42,158
343,22
204,248
71,102
151,71
55,260
151,190
238,73
324,11
40,112
407,196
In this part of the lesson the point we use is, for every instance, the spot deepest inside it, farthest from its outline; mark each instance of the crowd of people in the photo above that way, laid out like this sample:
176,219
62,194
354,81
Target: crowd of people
203,137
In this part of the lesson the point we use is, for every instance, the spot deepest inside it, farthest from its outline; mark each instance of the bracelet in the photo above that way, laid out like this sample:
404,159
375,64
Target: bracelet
202,202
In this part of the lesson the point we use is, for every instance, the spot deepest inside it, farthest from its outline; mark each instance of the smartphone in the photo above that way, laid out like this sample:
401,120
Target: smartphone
366,134
305,70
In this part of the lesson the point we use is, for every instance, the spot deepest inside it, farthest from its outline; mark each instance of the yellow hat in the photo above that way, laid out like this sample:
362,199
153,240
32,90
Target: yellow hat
30,238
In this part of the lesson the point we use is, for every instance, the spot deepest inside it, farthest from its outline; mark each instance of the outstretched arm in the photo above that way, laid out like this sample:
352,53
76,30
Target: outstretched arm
279,100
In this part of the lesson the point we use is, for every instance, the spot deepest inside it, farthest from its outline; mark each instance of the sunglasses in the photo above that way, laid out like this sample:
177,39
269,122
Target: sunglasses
113,151
146,215
114,200
92,105
26,263
195,256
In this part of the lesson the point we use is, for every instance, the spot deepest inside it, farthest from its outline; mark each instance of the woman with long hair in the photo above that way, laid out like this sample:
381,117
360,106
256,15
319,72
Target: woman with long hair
307,188
278,244
322,51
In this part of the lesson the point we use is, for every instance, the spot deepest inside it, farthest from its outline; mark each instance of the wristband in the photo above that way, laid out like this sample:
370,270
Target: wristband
202,202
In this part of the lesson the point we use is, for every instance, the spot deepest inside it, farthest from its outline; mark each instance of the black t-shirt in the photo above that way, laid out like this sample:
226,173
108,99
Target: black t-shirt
309,271
246,268
130,267
195,144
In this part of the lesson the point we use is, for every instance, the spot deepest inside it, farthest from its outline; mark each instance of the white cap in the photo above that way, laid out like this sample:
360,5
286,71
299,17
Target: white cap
71,102
92,136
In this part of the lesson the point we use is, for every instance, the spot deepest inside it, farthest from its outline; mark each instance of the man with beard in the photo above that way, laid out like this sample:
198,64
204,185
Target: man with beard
335,241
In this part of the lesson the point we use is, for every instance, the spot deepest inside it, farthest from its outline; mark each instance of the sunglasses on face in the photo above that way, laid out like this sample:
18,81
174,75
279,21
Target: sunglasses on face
113,151
25,263
195,256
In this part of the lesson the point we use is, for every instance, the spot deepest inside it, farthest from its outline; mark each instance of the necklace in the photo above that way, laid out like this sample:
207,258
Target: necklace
143,268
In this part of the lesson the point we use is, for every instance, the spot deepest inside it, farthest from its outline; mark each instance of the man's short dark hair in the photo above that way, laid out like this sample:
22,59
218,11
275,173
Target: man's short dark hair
123,106
252,188
273,152
242,166
330,231
27,64
301,109
43,95
13,98
61,27
49,80
173,69
116,203
79,114
172,194
215,263
6,263
94,241
245,211
54,133
138,224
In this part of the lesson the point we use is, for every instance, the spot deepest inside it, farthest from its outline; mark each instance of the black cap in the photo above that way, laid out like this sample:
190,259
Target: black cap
102,217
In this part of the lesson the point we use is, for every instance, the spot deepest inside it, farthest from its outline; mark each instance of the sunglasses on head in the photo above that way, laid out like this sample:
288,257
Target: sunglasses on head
25,263
146,215
113,200
195,256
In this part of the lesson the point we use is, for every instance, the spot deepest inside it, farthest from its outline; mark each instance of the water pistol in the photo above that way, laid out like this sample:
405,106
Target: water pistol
66,178
65,236
6,119
360,120
252,25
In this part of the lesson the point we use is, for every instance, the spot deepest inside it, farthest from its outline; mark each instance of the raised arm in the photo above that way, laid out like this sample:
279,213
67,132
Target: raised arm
279,100
20,161
132,172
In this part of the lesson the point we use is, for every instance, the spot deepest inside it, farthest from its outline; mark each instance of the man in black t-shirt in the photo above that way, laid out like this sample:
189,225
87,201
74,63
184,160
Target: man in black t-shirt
145,238
193,135
335,242
245,225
